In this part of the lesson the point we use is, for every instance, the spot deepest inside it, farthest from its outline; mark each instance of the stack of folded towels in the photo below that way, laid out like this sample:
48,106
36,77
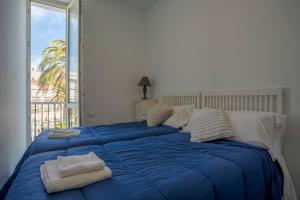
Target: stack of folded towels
63,133
71,172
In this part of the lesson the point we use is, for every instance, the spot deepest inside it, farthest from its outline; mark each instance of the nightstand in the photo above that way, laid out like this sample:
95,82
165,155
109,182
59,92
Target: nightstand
141,106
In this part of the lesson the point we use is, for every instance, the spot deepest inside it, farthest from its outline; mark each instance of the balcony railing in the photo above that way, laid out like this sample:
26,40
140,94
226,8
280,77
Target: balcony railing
45,115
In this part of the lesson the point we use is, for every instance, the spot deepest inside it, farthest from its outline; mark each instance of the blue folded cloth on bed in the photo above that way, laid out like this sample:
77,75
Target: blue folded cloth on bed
167,167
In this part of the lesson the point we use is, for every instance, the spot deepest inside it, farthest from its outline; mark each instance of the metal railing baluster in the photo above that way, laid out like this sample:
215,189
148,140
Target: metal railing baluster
52,112
48,119
61,115
35,132
42,118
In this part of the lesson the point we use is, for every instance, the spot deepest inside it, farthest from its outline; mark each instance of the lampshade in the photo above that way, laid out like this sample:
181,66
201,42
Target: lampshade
144,81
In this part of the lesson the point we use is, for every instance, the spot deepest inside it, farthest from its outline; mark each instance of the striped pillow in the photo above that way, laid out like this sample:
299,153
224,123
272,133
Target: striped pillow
206,125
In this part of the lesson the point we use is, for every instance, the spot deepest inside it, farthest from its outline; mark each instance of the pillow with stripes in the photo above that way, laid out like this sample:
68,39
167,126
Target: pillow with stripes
207,125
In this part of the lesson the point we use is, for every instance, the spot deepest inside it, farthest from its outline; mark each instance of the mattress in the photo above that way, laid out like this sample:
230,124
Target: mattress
168,167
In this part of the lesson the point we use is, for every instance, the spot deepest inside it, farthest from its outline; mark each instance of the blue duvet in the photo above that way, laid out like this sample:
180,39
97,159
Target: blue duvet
167,167
99,135
95,135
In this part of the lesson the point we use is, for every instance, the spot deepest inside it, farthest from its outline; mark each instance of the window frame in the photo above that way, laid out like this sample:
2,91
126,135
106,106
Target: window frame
59,5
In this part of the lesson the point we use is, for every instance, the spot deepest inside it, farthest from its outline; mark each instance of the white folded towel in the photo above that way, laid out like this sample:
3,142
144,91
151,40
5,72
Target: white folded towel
73,165
63,133
54,183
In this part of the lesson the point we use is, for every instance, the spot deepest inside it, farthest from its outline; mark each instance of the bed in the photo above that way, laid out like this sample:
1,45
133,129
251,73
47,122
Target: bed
102,134
115,132
168,167
90,136
99,135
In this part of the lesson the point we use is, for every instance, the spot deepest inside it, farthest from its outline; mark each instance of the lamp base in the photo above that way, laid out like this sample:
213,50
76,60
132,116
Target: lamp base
145,92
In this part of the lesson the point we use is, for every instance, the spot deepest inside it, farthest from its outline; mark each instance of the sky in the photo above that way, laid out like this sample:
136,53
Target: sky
46,25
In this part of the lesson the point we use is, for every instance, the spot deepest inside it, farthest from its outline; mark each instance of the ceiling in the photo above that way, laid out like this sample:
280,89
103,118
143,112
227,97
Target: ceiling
142,4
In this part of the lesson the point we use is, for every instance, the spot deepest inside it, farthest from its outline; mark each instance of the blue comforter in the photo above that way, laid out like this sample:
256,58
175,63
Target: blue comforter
95,135
167,167
99,135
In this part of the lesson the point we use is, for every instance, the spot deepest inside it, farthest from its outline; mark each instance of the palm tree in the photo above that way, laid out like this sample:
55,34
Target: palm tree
53,66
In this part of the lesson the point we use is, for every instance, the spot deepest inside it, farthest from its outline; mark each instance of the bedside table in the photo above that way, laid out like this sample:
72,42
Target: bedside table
141,106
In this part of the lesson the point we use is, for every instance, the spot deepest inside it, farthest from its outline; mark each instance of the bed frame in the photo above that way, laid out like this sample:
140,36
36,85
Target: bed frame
265,100
181,98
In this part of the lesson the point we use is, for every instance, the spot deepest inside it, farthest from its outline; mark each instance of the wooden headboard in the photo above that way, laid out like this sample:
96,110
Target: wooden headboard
265,100
181,98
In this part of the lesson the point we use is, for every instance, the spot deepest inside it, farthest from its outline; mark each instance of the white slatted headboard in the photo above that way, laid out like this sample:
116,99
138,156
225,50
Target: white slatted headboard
266,100
181,98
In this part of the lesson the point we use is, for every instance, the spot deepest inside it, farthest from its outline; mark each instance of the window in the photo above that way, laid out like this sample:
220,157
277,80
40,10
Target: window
54,66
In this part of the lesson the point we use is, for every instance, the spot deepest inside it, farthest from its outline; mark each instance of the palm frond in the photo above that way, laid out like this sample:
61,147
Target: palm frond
52,67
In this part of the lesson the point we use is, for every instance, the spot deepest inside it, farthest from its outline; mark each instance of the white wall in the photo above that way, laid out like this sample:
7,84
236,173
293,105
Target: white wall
113,60
12,85
209,44
191,45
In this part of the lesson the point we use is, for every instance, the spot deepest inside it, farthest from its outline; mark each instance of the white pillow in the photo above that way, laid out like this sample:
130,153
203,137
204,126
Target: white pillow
180,116
258,128
206,125
267,129
157,114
